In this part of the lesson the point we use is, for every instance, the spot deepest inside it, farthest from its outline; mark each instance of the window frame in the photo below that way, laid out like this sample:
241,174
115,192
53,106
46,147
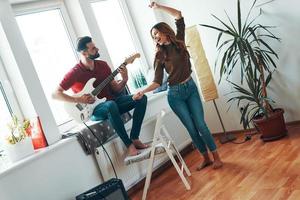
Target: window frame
32,7
9,92
48,5
10,97
36,7
133,33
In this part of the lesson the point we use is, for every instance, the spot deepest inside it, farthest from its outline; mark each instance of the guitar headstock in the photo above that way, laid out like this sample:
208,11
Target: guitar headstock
131,58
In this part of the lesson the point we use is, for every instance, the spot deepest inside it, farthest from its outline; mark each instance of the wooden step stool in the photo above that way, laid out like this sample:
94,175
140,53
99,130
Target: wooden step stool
162,143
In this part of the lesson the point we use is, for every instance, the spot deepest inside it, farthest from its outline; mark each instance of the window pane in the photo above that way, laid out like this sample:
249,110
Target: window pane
118,39
5,117
51,51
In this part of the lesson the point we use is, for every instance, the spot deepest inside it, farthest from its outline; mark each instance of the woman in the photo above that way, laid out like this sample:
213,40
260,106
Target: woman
183,96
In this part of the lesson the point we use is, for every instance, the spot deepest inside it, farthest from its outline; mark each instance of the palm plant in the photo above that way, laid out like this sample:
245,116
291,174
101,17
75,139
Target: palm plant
246,47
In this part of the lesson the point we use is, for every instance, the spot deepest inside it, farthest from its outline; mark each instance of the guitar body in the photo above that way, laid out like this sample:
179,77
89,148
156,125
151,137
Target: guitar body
82,112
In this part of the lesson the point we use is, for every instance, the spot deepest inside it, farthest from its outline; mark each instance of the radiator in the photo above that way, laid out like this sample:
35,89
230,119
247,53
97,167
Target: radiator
130,174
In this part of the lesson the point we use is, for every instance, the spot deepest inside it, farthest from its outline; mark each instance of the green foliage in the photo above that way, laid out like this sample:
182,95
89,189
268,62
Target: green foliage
138,79
17,130
245,47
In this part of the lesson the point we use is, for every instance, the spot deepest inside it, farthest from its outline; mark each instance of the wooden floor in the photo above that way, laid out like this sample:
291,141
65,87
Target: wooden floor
253,170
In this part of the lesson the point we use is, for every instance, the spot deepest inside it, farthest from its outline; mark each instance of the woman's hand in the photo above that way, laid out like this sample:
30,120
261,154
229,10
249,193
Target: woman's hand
172,11
138,96
154,5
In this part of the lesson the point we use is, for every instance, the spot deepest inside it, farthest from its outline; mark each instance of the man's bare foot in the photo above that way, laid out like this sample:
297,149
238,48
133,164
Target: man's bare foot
139,145
132,151
217,164
204,164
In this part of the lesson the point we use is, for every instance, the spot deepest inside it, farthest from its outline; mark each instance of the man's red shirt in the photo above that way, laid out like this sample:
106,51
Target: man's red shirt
78,76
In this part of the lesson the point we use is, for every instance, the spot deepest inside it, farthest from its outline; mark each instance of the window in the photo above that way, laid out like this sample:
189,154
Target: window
6,111
119,39
5,118
51,51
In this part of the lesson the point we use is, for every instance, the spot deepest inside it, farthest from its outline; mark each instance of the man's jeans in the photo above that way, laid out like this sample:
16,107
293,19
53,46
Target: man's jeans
113,110
185,101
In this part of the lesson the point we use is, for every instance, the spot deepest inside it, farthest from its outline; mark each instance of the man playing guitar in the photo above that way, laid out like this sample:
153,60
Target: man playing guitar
88,68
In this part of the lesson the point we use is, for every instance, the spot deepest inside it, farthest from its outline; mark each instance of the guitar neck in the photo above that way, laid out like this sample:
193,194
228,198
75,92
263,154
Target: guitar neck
102,85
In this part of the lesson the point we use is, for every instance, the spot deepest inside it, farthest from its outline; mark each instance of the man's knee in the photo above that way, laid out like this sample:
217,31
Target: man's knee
111,105
143,100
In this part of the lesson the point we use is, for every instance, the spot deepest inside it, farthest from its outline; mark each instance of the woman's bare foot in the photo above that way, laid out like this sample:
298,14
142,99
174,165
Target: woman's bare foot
217,161
132,151
139,145
204,164
217,164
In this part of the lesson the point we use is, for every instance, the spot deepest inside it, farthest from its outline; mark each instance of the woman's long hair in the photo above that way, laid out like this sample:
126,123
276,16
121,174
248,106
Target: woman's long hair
161,52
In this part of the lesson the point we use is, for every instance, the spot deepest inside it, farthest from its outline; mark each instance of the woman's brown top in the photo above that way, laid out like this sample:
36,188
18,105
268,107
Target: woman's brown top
176,65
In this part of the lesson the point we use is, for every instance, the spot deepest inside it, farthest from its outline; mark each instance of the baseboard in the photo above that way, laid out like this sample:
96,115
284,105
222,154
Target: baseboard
252,130
293,123
234,133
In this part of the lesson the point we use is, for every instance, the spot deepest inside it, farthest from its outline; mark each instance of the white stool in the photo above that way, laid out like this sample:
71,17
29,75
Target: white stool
162,142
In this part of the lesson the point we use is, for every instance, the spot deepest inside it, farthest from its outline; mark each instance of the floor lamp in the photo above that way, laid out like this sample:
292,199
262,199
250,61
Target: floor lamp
204,75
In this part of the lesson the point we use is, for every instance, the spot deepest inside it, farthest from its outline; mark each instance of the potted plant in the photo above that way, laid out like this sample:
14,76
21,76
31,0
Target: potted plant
18,142
247,48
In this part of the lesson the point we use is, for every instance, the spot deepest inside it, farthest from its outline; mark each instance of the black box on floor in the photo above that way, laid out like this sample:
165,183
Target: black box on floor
112,189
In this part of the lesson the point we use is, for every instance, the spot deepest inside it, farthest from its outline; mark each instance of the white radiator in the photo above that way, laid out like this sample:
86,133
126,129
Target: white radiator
130,174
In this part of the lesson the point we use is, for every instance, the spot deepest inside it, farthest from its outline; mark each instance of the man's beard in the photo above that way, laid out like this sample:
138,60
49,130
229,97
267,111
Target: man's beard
93,57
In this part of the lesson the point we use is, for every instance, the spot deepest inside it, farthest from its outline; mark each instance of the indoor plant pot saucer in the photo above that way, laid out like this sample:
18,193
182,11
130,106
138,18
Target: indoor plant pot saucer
277,137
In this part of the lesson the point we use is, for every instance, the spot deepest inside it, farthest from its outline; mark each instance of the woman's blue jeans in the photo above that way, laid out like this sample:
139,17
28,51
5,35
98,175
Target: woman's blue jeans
113,110
185,101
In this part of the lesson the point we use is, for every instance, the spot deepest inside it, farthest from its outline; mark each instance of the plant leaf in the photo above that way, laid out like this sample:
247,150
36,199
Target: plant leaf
216,28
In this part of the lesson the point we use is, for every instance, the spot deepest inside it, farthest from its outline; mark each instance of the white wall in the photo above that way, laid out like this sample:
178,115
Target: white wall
62,173
285,84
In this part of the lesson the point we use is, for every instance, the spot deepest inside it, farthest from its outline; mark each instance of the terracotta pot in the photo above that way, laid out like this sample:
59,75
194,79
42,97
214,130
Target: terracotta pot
272,128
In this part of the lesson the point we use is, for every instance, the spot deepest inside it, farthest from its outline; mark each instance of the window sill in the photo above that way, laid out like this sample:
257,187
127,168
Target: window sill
154,96
10,167
72,125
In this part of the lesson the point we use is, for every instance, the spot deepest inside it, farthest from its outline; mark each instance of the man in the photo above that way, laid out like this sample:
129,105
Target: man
88,68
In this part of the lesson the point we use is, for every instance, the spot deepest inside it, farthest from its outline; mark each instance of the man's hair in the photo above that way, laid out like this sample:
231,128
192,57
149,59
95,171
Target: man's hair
82,42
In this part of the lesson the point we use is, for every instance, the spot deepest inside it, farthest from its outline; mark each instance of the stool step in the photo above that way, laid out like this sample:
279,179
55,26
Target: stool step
144,154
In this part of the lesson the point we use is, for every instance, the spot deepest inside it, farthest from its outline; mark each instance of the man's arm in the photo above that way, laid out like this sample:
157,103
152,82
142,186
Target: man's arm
60,95
118,86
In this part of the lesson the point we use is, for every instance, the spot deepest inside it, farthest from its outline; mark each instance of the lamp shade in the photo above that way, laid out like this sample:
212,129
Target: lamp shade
208,89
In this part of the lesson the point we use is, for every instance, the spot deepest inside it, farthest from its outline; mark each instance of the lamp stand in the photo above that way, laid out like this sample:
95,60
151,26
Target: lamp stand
226,137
